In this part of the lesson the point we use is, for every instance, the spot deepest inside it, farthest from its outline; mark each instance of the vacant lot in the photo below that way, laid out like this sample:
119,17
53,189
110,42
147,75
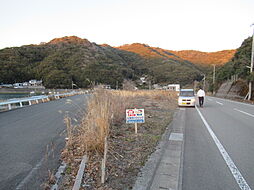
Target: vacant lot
126,152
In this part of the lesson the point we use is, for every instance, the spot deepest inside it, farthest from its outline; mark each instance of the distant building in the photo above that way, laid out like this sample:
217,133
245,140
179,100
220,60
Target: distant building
143,79
6,86
31,84
18,85
157,87
25,84
173,87
104,86
35,82
107,86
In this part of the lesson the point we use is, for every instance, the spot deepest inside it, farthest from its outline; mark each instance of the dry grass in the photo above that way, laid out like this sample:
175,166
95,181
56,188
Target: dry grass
95,124
106,108
105,119
144,93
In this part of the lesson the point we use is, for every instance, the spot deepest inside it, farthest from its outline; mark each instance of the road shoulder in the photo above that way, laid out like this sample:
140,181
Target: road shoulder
164,167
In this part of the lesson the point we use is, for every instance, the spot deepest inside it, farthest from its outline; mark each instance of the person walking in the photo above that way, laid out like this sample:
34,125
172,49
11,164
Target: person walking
201,97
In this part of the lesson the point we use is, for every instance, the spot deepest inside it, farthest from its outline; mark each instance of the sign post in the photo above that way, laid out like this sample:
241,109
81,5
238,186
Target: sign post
135,116
136,128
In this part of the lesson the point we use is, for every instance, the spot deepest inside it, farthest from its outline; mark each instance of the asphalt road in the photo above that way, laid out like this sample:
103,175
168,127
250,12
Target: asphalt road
219,149
31,139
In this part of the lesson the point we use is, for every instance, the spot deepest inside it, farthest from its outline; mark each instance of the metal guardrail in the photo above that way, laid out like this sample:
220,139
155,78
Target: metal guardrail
34,99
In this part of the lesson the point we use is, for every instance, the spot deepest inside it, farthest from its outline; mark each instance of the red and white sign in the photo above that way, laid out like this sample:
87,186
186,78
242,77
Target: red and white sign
135,116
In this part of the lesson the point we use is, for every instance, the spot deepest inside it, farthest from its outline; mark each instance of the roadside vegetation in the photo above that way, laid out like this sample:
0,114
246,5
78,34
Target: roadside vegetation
108,141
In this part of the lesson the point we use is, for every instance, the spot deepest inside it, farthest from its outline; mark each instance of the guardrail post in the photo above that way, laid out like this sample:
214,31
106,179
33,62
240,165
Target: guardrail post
21,105
42,100
9,106
37,101
30,103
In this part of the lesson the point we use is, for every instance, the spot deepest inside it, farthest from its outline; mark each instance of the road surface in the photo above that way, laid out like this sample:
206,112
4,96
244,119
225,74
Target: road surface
219,146
31,139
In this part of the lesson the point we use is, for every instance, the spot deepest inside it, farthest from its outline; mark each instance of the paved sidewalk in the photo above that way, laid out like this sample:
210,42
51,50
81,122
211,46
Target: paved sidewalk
164,167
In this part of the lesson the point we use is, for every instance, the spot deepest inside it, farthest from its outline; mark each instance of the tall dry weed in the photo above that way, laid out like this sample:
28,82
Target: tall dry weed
106,108
95,124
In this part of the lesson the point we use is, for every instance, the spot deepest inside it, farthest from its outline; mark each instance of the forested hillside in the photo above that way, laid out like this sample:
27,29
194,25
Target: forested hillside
67,59
239,64
63,60
163,66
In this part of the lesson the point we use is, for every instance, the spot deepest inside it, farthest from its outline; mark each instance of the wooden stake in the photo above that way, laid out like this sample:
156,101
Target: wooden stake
103,162
136,128
69,131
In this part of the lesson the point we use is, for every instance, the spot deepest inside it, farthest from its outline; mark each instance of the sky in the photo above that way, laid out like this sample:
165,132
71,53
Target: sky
204,25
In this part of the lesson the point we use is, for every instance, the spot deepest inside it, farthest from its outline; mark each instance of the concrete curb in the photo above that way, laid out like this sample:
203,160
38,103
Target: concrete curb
163,170
59,175
80,174
180,179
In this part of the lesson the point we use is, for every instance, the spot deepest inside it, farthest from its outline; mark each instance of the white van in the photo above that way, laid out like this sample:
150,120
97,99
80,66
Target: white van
186,97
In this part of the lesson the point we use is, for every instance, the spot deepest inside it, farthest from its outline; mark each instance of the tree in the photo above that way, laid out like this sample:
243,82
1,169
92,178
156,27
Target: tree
57,79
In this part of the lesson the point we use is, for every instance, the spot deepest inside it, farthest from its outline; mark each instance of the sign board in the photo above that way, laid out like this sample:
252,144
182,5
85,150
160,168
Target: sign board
135,116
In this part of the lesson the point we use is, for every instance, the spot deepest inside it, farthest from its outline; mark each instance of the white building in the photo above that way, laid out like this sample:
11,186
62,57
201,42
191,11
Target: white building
143,80
173,87
18,85
157,87
35,82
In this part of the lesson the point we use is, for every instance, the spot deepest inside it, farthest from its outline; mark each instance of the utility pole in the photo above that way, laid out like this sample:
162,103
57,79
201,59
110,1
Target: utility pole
213,79
204,83
251,65
116,85
150,87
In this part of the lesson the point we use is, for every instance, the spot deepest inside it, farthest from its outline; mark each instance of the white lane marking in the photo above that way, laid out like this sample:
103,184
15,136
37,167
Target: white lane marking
234,170
246,104
176,137
30,174
209,99
219,103
34,170
244,112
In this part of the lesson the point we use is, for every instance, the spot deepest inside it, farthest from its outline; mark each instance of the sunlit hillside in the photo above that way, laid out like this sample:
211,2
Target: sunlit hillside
239,64
206,58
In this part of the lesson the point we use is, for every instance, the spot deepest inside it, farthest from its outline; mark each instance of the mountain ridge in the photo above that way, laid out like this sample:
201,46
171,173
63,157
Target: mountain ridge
194,56
206,58
71,58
